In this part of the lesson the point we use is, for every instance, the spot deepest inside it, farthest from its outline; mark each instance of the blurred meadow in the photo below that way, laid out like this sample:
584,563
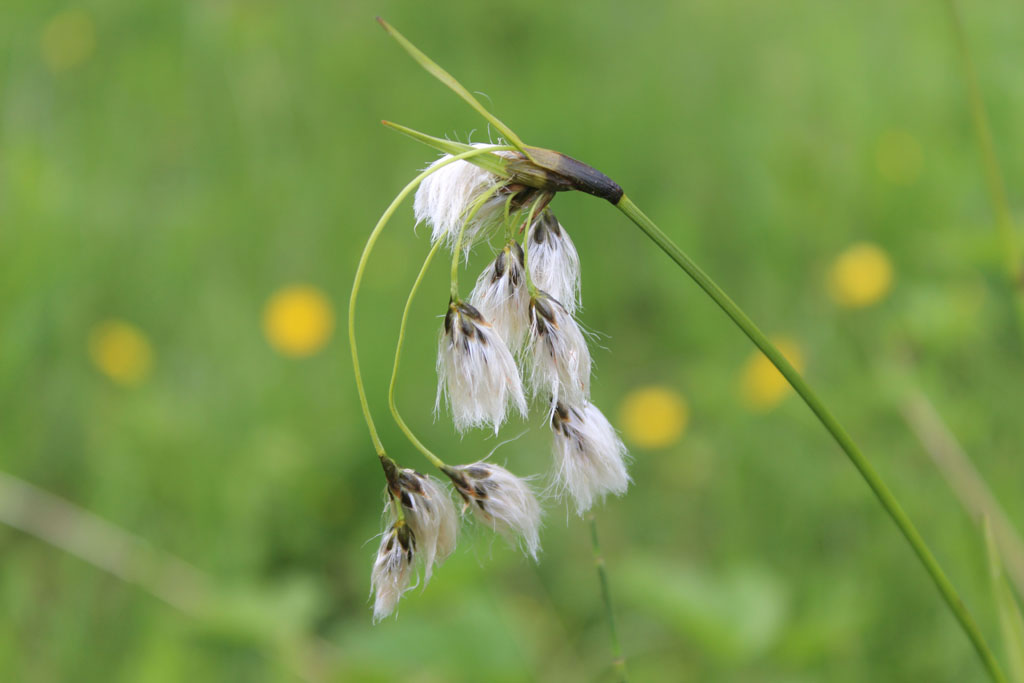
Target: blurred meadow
184,192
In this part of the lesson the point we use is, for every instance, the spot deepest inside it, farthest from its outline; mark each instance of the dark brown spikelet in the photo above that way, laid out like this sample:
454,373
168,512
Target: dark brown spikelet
546,227
565,420
406,539
515,276
473,483
462,323
499,265
542,315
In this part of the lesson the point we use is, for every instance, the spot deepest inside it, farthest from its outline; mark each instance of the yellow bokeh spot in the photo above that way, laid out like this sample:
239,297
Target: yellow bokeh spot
298,320
861,276
654,417
68,40
762,386
121,351
898,157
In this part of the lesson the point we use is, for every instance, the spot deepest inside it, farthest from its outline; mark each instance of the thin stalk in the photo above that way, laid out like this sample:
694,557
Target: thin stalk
993,173
509,230
885,497
526,244
436,461
619,661
457,249
370,242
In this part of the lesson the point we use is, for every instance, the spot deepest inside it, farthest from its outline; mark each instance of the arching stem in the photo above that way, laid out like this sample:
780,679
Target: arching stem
474,209
370,242
436,461
885,497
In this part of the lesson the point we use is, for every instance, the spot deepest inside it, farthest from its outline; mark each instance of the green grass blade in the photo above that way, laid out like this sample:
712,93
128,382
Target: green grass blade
440,74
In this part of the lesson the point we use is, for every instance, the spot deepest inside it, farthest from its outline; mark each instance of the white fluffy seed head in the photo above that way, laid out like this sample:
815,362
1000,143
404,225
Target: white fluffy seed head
477,375
445,197
557,353
501,500
554,263
430,514
590,458
501,296
392,569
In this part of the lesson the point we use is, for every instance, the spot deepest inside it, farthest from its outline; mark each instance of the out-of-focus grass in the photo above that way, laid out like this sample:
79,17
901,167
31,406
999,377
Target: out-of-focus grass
174,165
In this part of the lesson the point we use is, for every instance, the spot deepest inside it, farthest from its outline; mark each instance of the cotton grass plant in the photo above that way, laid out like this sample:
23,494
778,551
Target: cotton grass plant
516,337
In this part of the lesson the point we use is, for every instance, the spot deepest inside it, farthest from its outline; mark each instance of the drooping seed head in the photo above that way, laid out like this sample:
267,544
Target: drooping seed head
501,500
445,198
590,458
392,569
557,353
554,262
501,296
429,514
477,375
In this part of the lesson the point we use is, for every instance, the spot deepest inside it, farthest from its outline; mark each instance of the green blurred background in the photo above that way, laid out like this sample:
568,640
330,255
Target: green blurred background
167,168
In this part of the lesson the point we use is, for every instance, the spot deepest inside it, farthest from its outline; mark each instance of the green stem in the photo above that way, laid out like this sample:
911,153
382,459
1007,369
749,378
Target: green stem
885,497
398,510
437,462
474,209
370,242
993,174
509,230
619,663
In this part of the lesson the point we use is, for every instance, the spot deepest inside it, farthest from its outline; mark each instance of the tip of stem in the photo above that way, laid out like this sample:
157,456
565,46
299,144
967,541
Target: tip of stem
385,25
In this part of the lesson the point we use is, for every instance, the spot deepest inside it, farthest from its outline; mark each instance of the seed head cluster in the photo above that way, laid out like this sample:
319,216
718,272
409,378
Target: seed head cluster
514,337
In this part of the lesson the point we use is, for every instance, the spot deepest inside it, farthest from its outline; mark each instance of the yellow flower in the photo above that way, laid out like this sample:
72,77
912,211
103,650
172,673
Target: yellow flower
68,40
298,320
762,386
654,417
121,351
898,157
861,276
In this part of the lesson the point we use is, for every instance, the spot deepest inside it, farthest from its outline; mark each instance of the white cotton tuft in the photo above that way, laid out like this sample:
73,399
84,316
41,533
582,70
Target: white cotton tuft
590,458
392,569
431,516
557,353
501,500
554,263
477,375
501,296
445,198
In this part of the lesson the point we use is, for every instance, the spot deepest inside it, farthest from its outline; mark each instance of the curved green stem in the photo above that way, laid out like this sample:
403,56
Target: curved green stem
370,242
619,663
436,461
885,497
474,209
509,231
